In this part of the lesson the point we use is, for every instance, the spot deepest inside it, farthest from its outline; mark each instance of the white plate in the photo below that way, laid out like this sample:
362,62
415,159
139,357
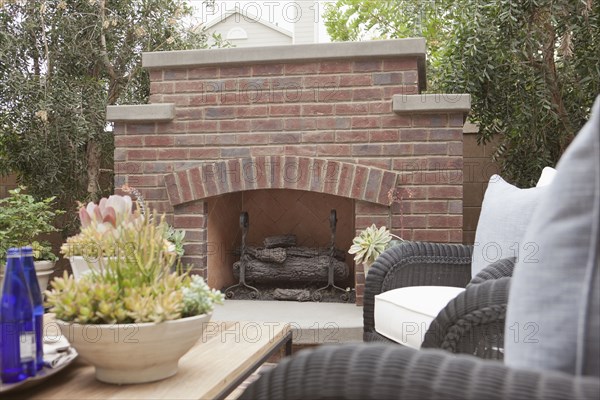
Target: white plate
45,372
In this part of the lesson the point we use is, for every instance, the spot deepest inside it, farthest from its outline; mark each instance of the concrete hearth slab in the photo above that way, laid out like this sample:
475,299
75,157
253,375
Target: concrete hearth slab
312,323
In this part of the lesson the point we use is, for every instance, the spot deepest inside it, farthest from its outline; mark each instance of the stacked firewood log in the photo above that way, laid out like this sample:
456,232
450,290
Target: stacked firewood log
282,261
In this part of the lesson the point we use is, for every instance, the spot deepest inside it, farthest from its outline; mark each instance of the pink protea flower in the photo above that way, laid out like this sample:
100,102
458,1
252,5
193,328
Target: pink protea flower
115,211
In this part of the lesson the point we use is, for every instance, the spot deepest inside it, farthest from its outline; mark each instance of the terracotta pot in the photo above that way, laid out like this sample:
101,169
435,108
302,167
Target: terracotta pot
135,353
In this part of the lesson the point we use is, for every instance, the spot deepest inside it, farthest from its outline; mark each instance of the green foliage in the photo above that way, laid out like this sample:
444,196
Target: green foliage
198,298
533,70
532,67
135,284
22,218
177,237
370,243
62,63
93,300
351,20
42,251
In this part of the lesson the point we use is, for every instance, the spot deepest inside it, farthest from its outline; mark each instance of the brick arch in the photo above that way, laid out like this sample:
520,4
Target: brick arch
280,172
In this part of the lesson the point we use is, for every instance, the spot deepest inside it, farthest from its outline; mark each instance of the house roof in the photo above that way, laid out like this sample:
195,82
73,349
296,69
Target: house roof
249,16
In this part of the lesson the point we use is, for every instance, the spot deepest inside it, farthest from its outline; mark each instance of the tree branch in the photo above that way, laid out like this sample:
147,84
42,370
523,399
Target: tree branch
45,41
104,52
551,78
547,68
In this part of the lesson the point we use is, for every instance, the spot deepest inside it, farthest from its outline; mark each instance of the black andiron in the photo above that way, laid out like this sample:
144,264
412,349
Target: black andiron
330,277
248,257
255,294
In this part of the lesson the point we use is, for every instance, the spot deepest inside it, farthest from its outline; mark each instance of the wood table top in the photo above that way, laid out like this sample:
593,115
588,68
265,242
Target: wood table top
227,352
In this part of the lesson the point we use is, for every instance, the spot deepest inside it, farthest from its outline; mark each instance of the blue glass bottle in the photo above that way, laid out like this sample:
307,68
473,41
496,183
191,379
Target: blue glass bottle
16,323
38,303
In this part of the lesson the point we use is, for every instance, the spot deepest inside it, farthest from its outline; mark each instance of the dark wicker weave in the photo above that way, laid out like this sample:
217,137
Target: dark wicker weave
473,322
414,264
496,270
384,371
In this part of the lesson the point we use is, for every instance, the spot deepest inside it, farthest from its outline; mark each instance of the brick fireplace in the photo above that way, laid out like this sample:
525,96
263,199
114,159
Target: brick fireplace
287,133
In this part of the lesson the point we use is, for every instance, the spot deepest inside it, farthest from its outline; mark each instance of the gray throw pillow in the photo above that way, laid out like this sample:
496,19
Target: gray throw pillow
505,214
553,313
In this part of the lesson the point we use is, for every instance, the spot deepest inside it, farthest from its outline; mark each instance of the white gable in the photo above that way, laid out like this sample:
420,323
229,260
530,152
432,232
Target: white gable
248,31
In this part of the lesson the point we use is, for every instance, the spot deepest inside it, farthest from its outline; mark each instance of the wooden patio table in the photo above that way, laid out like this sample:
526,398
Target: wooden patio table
223,358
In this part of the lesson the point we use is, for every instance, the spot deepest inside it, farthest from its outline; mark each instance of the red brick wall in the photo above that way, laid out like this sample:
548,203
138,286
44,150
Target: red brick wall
336,110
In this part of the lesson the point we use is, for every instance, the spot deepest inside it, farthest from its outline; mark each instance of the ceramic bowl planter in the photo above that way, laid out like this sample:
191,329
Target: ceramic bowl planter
135,283
135,353
81,265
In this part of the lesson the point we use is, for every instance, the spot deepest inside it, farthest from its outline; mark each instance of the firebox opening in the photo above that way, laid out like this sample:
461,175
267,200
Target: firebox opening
274,212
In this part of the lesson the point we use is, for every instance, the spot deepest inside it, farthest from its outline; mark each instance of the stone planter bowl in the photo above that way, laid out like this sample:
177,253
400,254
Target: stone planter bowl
135,353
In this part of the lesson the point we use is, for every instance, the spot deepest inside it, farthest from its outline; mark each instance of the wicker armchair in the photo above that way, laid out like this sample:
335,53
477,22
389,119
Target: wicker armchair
384,371
473,322
559,292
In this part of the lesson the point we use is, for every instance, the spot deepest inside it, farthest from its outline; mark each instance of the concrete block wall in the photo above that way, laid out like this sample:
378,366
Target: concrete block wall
7,183
477,170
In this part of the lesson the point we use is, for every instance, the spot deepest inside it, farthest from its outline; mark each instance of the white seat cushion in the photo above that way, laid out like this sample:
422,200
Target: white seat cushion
404,315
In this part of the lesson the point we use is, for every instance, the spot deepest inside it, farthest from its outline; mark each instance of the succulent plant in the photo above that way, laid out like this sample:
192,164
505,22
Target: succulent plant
370,243
198,297
111,212
100,227
135,284
177,237
102,223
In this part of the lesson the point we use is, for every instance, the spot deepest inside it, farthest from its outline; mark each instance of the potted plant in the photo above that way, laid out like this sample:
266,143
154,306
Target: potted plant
370,243
43,260
23,218
43,256
132,317
91,247
97,239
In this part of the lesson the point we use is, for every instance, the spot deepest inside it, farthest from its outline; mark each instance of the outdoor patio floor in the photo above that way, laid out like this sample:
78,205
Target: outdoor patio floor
312,323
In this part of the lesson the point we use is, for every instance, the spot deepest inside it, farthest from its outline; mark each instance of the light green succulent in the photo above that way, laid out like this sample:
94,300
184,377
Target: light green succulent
198,297
177,237
135,284
370,243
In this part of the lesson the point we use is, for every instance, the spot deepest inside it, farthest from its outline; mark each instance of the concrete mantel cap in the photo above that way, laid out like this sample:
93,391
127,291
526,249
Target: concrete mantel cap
141,112
288,53
431,103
